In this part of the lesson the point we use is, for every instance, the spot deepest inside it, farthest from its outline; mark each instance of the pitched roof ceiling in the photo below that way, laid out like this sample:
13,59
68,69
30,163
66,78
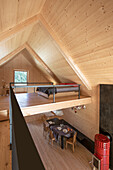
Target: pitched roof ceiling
66,34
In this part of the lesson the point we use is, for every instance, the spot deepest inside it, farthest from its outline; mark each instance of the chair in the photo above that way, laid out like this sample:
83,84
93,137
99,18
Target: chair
45,129
72,141
51,137
44,118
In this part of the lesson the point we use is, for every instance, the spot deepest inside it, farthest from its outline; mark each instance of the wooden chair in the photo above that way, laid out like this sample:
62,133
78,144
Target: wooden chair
72,141
45,129
44,118
51,137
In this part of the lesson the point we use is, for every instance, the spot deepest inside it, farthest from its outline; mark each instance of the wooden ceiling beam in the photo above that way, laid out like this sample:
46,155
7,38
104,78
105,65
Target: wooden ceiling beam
4,36
11,55
32,110
65,53
37,57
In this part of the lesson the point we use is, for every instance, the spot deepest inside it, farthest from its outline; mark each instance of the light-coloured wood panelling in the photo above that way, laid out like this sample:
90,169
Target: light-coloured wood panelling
44,46
86,29
15,42
17,11
42,43
20,62
42,63
37,64
86,120
11,55
32,103
65,53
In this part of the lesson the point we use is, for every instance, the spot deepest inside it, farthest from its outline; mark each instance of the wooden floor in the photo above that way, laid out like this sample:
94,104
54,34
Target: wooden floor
53,157
32,103
5,153
32,99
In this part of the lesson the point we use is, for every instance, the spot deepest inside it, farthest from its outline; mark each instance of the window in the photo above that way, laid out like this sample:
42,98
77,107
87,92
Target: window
21,77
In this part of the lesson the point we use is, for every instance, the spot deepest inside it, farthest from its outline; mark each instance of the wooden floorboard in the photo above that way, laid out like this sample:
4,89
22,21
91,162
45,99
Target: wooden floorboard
5,153
53,157
32,103
32,99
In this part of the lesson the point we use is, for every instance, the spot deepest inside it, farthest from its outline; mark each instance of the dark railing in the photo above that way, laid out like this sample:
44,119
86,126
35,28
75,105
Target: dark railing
24,153
42,84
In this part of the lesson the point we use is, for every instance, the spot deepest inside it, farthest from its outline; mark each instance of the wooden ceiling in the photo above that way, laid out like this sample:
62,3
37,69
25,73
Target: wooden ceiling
72,37
14,12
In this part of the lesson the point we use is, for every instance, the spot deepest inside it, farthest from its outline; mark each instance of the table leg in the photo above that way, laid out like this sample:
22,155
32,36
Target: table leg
62,142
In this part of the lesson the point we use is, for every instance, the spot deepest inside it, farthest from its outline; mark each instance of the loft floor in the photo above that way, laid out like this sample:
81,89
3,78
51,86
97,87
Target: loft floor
53,157
33,99
32,103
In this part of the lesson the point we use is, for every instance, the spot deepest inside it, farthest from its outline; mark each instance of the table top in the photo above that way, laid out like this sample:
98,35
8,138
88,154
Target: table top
62,130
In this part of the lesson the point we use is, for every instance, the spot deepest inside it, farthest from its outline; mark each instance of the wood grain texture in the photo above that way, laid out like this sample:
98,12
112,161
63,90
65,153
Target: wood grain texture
14,42
65,53
5,152
32,104
45,67
85,28
16,12
11,55
38,65
43,44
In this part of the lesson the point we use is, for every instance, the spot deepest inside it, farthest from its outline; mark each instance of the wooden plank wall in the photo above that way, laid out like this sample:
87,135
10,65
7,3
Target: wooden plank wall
86,120
20,62
85,28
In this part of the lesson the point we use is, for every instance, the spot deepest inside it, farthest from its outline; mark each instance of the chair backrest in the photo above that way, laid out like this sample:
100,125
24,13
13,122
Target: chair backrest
51,136
44,118
45,127
74,137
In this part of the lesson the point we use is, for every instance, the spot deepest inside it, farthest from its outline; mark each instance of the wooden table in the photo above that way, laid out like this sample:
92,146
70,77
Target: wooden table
59,123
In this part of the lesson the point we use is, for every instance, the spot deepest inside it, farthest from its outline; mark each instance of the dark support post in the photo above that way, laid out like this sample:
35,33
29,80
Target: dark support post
79,92
34,89
10,117
53,94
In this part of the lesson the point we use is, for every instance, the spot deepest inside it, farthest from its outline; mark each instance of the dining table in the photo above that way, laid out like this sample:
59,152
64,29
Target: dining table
62,130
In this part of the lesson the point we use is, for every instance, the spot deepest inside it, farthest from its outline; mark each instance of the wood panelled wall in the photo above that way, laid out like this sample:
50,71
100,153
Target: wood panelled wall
85,29
20,62
42,43
13,43
86,121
